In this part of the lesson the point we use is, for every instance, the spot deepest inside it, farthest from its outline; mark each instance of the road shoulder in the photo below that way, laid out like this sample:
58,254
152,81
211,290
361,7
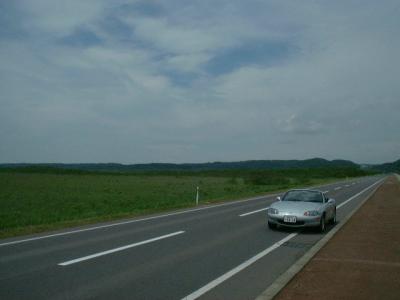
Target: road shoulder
360,261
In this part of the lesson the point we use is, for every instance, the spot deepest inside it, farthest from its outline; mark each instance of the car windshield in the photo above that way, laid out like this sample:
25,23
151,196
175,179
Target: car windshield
306,196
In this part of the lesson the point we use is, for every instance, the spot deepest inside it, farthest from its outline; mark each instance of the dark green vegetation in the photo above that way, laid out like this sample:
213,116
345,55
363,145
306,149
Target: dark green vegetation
387,167
34,199
211,166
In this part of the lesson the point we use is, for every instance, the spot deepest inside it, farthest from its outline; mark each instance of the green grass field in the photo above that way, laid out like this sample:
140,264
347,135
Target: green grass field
37,201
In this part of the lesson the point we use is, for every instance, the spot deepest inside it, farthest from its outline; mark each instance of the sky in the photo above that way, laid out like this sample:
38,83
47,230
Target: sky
199,81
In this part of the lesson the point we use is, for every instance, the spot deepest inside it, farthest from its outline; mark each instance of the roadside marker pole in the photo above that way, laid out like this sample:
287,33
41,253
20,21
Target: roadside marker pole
197,196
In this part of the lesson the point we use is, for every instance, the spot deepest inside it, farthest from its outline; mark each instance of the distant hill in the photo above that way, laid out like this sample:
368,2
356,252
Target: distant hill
250,164
387,167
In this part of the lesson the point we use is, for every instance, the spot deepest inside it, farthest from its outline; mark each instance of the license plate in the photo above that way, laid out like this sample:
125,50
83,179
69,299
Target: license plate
289,219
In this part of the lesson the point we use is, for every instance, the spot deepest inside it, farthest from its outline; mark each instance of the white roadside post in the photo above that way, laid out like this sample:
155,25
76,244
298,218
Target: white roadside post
197,196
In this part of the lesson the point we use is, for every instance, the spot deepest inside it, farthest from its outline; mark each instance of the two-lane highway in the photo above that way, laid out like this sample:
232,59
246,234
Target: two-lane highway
220,251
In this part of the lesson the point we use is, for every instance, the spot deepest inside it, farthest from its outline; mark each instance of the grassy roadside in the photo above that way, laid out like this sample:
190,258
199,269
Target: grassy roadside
36,202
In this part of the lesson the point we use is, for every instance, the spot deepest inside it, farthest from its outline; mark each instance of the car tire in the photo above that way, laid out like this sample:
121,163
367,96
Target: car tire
271,226
322,227
333,220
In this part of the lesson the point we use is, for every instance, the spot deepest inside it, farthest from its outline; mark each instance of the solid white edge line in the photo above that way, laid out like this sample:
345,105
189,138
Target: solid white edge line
358,194
196,294
135,220
279,283
253,212
141,220
237,269
74,261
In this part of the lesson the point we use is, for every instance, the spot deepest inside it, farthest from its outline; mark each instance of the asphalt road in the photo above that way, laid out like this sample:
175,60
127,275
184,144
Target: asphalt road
217,252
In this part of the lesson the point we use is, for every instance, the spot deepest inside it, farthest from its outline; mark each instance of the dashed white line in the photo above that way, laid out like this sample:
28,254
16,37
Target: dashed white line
201,291
74,261
134,220
253,212
131,221
358,194
337,188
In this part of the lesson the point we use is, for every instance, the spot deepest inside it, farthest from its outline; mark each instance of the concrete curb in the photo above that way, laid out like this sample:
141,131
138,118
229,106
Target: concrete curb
284,279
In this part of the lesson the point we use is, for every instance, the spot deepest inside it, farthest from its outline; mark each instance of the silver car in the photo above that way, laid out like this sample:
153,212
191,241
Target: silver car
302,208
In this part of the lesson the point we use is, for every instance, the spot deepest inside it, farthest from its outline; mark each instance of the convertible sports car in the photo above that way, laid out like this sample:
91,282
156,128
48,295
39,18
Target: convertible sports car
302,208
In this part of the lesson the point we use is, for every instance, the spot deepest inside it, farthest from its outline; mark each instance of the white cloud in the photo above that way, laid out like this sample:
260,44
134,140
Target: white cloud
171,38
61,17
335,96
188,62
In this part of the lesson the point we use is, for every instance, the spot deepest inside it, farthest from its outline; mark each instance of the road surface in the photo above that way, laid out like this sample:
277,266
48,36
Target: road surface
222,251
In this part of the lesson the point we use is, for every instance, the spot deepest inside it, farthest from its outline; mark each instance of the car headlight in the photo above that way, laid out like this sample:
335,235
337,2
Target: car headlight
312,213
273,211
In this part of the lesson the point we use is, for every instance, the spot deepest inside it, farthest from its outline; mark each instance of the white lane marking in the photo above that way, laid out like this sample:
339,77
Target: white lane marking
135,220
358,194
253,212
347,185
237,269
337,188
139,220
74,261
234,271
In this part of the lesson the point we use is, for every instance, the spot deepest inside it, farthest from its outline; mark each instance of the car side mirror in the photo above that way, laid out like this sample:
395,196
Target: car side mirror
331,201
278,198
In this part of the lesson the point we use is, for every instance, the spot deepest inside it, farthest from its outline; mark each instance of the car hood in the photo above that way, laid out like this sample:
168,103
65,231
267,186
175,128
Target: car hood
295,206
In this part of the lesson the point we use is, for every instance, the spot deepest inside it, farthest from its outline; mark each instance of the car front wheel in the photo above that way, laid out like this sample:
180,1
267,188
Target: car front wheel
271,225
333,220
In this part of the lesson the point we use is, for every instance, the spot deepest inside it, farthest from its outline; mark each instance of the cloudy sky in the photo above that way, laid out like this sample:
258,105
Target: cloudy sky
198,81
